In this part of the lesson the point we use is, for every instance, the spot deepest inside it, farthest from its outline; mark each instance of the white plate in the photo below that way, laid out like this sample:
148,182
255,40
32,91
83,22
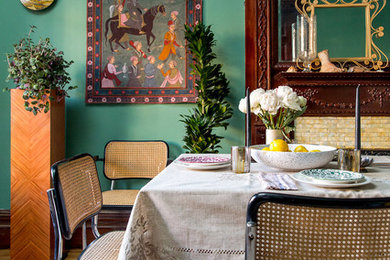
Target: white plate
225,159
301,178
202,167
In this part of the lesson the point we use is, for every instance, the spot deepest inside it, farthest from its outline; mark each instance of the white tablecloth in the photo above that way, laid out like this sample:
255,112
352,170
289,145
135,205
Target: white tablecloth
188,214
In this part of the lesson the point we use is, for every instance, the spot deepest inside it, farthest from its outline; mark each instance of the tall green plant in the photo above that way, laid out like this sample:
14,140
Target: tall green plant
212,110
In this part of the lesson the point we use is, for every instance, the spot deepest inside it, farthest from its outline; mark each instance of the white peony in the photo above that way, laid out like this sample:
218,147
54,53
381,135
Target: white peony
283,91
270,102
255,97
291,101
242,105
302,101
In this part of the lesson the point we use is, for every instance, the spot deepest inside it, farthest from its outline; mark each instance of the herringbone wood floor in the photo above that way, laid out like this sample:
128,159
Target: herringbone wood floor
72,254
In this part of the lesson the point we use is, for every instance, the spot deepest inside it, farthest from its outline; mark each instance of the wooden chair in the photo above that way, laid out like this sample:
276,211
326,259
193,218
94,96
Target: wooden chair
75,198
281,226
128,160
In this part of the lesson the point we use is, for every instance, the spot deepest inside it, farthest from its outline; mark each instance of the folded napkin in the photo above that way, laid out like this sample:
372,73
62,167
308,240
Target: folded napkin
277,181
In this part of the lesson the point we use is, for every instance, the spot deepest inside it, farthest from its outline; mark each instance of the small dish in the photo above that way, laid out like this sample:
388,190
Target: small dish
332,176
204,159
203,167
301,178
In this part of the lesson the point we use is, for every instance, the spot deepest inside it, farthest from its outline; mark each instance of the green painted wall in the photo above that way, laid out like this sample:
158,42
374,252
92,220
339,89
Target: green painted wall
89,127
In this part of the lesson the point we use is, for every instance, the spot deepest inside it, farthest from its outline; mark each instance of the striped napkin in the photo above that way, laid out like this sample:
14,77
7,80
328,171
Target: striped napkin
277,181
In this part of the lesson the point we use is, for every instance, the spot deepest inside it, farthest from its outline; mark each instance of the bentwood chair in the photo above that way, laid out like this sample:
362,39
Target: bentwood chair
75,198
131,160
281,226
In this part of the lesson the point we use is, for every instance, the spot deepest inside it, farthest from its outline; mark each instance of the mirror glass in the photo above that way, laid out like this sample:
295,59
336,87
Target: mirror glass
287,16
342,31
351,31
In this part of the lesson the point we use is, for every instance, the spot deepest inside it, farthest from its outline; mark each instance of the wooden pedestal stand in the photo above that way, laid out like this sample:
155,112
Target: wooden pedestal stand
36,143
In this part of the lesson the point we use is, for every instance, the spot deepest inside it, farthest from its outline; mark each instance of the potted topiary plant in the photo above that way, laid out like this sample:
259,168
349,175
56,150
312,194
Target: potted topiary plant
212,110
40,70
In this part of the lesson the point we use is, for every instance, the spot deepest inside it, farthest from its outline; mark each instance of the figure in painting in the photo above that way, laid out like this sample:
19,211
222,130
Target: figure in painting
173,78
133,17
134,73
109,74
150,73
169,50
138,49
118,29
179,26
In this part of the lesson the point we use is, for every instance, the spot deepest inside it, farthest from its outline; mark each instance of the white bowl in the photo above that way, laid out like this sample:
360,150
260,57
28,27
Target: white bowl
291,161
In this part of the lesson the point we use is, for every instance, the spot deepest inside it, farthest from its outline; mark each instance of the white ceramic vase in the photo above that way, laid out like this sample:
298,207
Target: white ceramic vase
272,134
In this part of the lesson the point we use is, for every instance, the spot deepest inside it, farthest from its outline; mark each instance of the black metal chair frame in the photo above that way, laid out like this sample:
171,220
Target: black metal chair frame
295,200
56,211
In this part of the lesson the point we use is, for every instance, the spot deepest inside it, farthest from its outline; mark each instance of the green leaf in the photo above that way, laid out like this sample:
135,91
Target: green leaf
211,110
37,68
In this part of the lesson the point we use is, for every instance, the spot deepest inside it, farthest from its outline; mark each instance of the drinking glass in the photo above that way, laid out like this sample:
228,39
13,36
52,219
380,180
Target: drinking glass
241,159
306,39
349,160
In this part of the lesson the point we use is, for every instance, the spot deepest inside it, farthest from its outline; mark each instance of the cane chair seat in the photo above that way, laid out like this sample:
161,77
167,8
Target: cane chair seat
281,226
119,197
105,247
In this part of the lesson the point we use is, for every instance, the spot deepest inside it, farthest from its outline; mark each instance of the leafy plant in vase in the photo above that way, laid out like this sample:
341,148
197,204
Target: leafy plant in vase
277,108
40,71
212,110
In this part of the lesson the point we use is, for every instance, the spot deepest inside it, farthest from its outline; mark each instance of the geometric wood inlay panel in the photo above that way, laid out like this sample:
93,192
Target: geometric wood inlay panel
36,143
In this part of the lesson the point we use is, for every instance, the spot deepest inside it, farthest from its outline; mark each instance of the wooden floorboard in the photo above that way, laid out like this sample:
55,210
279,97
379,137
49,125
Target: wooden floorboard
72,254
4,254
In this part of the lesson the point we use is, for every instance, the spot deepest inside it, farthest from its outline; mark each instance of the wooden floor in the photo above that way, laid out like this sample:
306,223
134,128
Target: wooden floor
72,254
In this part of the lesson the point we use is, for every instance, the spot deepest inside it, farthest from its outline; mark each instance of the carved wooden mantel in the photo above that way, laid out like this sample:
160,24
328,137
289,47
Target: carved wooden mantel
328,94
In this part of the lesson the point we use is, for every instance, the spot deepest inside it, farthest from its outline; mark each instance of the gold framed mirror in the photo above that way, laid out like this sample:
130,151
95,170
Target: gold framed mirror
362,52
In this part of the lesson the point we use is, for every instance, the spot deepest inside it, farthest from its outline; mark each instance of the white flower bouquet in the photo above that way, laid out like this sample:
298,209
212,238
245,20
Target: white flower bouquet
277,108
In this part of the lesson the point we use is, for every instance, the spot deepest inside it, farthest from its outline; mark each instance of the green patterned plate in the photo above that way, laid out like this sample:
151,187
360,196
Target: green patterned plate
333,175
334,185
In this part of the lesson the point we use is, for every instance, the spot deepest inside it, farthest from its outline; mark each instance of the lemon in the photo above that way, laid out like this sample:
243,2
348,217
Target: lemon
265,149
315,151
300,149
278,145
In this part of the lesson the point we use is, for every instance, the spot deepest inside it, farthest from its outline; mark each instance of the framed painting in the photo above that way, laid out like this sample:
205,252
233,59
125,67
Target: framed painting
136,51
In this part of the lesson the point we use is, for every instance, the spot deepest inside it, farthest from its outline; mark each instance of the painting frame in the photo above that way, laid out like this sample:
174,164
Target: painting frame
98,48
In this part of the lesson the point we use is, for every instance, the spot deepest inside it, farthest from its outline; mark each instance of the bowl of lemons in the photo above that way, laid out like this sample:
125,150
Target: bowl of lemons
292,157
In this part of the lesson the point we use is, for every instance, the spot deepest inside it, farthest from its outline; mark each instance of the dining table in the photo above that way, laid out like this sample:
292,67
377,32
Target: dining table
185,213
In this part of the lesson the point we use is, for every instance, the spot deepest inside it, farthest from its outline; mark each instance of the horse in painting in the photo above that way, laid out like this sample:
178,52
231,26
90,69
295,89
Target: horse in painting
118,31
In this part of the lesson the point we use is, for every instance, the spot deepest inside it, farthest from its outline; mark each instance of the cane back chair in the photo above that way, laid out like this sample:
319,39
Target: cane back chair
131,160
282,226
75,198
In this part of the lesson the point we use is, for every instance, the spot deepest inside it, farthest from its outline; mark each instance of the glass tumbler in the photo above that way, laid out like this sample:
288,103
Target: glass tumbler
241,159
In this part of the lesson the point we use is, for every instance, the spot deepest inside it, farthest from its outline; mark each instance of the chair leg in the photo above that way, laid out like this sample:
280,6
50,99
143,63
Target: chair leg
250,240
94,224
56,224
84,235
